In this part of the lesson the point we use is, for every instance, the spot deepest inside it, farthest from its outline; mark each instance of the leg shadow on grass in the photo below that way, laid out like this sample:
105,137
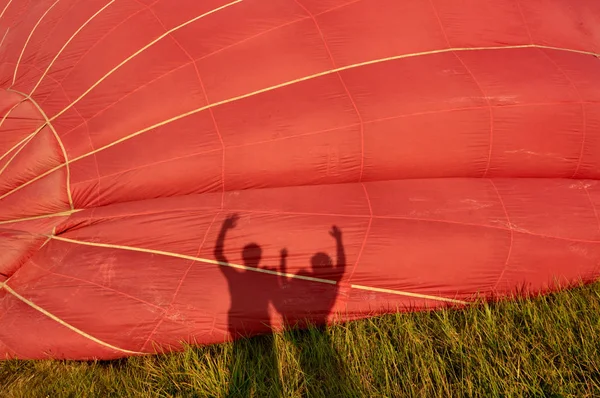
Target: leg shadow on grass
324,368
254,368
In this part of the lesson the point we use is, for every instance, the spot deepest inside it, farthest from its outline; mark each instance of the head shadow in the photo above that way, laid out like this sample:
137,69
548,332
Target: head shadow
321,261
251,255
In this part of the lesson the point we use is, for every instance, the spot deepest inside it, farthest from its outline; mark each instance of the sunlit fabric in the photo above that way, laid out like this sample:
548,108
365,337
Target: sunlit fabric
195,171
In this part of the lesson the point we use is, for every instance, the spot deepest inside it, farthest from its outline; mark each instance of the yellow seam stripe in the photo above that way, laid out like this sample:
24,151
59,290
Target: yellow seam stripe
402,293
4,37
5,154
61,214
192,258
29,38
6,116
189,113
65,324
15,106
21,143
62,146
14,155
48,239
332,71
67,43
5,8
328,72
264,271
140,51
91,88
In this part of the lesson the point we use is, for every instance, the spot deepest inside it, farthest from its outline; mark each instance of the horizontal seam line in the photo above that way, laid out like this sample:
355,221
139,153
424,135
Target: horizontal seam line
260,270
285,84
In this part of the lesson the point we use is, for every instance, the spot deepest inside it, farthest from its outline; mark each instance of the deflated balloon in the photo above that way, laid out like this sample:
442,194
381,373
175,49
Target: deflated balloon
196,171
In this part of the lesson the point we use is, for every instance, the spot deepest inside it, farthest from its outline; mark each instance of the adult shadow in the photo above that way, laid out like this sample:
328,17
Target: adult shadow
254,363
305,305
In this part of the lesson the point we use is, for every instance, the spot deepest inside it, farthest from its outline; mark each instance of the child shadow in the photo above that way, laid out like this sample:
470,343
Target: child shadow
305,306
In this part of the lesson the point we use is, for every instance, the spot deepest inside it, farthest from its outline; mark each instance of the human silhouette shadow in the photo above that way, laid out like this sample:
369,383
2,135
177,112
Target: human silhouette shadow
307,304
304,302
250,293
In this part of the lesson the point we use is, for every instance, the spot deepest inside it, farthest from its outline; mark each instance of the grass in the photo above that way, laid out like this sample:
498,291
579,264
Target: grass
543,347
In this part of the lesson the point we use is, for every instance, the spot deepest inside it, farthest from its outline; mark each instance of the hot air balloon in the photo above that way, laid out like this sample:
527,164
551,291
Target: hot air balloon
196,171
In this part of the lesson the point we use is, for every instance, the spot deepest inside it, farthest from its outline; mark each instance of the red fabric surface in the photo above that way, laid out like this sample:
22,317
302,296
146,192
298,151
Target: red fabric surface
454,144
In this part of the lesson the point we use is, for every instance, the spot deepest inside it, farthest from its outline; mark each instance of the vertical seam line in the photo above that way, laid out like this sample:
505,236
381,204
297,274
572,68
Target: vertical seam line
353,102
511,235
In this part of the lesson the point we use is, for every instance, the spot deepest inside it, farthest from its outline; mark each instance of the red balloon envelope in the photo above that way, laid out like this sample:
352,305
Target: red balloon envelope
192,171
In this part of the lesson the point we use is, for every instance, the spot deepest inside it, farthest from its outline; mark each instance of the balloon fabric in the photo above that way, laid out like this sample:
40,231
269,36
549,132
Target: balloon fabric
196,171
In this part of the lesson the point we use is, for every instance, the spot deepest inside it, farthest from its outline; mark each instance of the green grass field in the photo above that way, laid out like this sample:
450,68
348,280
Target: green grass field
543,347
